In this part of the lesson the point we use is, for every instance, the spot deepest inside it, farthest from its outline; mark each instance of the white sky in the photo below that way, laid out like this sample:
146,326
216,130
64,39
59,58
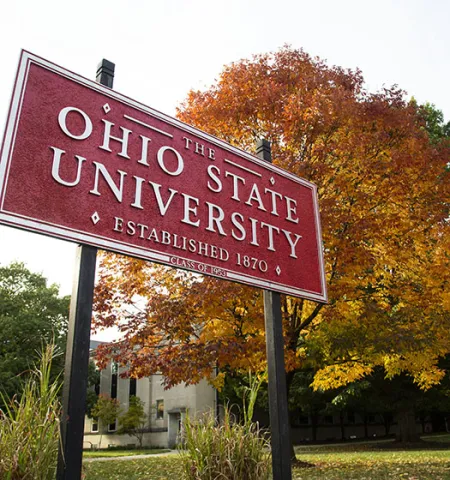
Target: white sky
164,48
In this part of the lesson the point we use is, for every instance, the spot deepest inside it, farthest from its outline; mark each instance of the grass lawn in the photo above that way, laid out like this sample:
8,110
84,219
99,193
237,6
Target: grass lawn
351,461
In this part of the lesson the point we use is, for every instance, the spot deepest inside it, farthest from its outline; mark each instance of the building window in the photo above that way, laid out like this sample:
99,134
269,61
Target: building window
114,372
303,420
159,409
94,425
371,418
133,388
112,427
298,418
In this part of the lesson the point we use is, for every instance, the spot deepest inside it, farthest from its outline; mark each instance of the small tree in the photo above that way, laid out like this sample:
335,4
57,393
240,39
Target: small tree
107,410
31,315
134,421
93,388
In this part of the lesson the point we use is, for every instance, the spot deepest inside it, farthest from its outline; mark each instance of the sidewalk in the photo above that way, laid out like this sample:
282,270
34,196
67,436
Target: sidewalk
129,457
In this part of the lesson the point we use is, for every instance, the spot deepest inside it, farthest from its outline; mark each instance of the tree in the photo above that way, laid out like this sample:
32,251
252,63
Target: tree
31,315
383,186
310,402
177,335
134,421
107,410
402,397
434,124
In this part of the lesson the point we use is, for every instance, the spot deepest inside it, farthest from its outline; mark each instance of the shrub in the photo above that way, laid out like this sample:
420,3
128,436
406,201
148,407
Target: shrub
29,427
229,451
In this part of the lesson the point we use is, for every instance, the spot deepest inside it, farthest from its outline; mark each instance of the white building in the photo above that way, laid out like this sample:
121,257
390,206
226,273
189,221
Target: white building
166,409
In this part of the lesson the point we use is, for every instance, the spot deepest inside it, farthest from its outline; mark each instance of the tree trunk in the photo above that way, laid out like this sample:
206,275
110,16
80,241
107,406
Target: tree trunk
387,421
407,427
366,427
294,460
422,423
314,421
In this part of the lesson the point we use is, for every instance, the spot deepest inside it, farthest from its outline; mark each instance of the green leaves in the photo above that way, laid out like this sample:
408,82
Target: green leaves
106,409
31,314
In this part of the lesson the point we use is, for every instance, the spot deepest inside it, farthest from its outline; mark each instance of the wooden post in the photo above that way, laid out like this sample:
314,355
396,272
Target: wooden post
278,404
70,454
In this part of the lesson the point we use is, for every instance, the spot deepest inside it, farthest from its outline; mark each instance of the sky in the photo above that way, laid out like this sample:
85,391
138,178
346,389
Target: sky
162,49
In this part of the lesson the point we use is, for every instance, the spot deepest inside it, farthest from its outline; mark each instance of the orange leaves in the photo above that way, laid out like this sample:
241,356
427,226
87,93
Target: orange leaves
176,323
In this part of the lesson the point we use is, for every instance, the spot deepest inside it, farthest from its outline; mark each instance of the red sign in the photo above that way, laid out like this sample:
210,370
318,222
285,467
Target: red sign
84,163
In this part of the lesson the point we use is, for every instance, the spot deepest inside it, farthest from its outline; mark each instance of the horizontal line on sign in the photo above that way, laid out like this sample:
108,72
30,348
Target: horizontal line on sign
148,126
241,167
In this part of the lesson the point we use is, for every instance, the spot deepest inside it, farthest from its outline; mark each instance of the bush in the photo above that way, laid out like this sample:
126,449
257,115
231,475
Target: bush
229,451
29,427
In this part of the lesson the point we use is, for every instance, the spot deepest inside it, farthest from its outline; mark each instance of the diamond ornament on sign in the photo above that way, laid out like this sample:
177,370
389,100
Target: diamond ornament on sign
278,270
106,108
95,217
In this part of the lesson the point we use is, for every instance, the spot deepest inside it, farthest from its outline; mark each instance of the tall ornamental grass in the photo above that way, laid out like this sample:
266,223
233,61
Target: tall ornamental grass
226,451
29,427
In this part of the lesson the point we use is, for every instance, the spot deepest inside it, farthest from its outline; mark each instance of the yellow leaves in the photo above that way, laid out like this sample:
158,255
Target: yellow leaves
446,300
240,311
301,353
422,366
218,381
426,379
338,375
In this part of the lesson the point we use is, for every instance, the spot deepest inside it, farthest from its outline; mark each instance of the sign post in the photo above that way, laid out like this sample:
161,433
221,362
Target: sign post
70,453
76,368
280,432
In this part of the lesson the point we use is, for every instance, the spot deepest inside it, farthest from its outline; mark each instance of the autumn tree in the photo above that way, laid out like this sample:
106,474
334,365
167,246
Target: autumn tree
107,410
383,187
